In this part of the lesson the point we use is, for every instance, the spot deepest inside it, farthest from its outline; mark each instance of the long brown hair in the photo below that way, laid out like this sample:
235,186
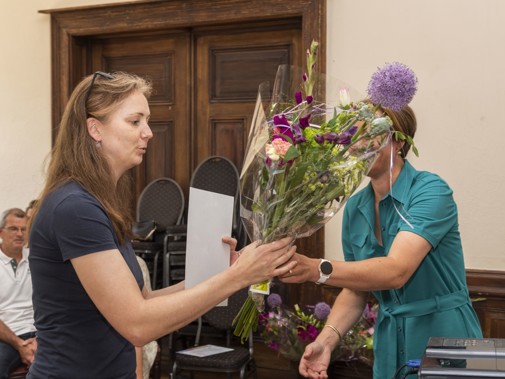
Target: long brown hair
75,155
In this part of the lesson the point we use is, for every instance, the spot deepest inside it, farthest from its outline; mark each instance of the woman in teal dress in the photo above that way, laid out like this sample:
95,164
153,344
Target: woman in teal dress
401,242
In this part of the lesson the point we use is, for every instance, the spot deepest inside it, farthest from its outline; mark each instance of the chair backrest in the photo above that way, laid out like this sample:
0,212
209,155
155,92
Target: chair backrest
219,174
216,174
221,317
162,201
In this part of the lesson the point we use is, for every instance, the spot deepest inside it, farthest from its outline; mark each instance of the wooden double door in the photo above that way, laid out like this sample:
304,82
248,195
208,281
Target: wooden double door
205,60
205,87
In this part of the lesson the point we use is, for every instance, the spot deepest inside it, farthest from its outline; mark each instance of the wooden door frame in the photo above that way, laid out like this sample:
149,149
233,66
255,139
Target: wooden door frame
71,28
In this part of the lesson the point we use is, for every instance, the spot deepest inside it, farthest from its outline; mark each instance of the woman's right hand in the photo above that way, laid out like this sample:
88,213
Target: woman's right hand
315,361
257,263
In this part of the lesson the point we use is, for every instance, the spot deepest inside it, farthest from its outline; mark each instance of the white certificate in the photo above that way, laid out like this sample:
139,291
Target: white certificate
210,217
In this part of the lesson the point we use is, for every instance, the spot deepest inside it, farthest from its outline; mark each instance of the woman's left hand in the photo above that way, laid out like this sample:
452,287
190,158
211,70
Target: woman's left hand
232,242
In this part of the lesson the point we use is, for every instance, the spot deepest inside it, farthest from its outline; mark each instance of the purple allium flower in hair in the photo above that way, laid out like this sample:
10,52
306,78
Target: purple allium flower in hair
322,310
392,86
274,300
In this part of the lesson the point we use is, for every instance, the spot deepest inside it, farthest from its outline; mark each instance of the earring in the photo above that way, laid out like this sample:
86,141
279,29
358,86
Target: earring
98,144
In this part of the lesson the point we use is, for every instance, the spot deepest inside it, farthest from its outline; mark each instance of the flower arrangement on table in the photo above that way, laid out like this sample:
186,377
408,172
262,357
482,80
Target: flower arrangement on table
304,158
288,332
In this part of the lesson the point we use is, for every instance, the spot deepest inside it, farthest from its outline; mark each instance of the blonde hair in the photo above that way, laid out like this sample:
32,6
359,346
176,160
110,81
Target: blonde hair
75,156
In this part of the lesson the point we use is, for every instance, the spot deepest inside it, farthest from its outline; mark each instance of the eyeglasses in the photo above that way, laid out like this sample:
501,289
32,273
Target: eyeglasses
97,73
13,229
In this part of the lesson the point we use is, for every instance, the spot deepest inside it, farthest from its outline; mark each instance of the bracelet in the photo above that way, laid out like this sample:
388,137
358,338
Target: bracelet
335,330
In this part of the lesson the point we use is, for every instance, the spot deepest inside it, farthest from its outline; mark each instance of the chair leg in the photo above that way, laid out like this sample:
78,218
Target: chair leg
154,278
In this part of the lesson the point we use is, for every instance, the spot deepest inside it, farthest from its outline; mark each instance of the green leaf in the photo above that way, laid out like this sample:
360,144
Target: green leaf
291,154
298,174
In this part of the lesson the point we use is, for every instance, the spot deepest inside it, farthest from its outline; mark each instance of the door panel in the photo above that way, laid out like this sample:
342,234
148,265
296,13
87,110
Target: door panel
229,71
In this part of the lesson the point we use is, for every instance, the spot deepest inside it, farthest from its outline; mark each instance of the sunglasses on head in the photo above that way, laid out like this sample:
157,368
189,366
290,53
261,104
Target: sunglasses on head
90,89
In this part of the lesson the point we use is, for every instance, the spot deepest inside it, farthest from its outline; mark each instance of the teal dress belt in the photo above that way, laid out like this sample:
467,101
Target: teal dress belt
386,328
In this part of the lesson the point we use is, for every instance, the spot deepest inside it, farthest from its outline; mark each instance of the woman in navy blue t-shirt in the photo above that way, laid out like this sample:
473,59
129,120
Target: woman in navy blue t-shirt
91,307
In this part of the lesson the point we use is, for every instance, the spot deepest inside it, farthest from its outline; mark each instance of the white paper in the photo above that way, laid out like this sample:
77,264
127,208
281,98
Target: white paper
205,350
210,217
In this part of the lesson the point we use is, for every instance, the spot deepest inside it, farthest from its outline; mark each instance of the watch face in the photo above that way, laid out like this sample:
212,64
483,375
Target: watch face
326,267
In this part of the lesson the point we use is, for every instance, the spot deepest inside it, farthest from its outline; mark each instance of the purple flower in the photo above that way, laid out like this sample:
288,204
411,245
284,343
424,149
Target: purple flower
283,132
263,318
307,335
298,97
282,128
392,86
300,138
345,137
280,120
330,137
274,300
274,345
319,138
309,99
322,310
304,121
304,77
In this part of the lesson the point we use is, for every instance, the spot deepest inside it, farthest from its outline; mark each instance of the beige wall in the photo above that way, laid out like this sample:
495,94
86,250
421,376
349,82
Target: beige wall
454,46
456,49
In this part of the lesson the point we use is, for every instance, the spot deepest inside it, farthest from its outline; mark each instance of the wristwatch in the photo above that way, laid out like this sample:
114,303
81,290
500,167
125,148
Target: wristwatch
325,270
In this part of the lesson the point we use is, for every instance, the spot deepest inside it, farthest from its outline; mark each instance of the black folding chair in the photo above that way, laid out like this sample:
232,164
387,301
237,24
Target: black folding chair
215,174
161,201
219,174
239,360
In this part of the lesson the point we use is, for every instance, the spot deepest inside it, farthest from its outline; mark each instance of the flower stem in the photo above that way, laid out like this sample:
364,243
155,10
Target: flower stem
246,319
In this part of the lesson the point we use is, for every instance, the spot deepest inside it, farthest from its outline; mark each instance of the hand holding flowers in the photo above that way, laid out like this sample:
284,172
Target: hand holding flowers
256,262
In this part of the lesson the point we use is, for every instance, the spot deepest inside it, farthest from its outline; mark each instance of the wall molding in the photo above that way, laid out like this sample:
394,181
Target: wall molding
486,283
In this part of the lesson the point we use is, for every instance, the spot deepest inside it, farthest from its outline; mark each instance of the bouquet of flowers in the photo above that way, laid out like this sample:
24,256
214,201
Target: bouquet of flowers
288,332
304,159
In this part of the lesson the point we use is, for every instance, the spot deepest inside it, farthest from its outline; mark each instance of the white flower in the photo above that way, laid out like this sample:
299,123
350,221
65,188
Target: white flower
345,98
271,152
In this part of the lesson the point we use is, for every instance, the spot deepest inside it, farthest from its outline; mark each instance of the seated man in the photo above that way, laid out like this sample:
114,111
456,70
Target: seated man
17,332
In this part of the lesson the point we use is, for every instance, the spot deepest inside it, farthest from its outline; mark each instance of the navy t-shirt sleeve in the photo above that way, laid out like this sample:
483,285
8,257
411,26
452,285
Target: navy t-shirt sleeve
81,227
